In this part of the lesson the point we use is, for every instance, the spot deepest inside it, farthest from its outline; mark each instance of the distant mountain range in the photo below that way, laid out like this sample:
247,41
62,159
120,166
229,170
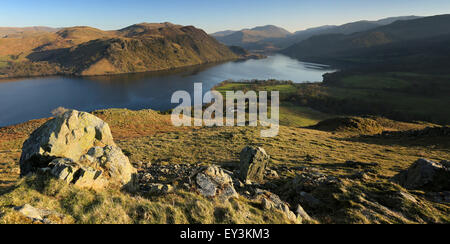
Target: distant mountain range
256,38
4,31
89,51
418,43
272,38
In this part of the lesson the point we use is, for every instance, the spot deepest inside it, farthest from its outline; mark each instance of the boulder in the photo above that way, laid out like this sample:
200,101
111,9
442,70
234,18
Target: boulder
254,161
214,182
426,175
69,135
78,148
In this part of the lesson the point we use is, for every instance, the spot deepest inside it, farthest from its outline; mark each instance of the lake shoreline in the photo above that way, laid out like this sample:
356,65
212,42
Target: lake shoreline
23,99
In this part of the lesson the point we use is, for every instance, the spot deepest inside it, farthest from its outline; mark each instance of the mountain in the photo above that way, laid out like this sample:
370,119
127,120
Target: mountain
223,33
275,38
333,45
4,31
388,21
88,51
255,38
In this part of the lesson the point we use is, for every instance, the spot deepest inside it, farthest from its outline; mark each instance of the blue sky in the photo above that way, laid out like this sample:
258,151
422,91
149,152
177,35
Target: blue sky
210,15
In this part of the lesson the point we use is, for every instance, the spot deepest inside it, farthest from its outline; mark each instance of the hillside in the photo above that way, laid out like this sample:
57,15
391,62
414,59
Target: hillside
275,38
340,46
8,31
338,176
89,51
256,38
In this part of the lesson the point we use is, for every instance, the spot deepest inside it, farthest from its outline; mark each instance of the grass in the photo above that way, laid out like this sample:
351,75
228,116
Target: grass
88,207
146,136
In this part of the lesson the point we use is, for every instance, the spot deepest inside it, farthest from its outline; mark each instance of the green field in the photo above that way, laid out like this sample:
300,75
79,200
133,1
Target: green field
399,96
290,114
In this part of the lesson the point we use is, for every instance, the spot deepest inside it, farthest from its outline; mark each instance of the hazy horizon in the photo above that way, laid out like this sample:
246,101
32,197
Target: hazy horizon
292,15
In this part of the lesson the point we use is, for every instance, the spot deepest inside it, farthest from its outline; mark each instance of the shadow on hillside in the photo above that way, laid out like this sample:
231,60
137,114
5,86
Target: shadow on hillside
435,142
46,55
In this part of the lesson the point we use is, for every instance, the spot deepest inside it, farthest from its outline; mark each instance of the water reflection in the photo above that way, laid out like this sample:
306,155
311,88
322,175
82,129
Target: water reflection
25,99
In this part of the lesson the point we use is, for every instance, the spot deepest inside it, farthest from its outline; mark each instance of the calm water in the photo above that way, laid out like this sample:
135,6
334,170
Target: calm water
26,99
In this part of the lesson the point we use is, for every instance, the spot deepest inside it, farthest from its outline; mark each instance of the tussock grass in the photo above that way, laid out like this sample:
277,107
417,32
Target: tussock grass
112,207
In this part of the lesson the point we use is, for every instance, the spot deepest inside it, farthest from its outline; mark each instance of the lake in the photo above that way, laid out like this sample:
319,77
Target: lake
32,98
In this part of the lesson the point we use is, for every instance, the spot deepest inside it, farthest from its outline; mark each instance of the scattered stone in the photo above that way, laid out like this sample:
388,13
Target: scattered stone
309,181
214,182
363,176
160,189
36,214
78,148
425,174
270,201
254,161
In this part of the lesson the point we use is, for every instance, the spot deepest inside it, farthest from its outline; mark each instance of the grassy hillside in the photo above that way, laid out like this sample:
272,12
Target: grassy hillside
337,46
150,140
90,51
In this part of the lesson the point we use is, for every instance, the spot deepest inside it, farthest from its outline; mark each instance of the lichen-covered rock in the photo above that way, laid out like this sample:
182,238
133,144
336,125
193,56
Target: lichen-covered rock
214,182
70,135
254,161
271,201
425,174
78,148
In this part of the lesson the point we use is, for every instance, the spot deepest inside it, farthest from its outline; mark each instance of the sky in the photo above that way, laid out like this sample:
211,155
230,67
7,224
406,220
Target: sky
210,15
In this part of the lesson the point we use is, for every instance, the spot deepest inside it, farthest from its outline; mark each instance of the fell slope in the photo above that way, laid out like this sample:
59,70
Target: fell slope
89,51
333,45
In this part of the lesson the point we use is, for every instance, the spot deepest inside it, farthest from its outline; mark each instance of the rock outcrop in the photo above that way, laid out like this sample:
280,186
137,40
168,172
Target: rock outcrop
254,161
426,175
215,182
78,147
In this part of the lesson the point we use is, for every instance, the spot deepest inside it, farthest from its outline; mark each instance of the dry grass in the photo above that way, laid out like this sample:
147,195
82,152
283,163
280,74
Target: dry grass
147,136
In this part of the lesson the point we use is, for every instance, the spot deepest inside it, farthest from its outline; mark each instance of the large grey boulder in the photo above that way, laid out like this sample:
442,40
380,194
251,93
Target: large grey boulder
215,182
425,174
254,161
78,148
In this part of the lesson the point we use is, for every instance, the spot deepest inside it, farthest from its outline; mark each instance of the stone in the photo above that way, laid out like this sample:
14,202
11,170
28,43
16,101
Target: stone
89,178
214,182
64,169
271,201
160,189
266,204
35,214
69,135
254,161
302,215
78,148
426,175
